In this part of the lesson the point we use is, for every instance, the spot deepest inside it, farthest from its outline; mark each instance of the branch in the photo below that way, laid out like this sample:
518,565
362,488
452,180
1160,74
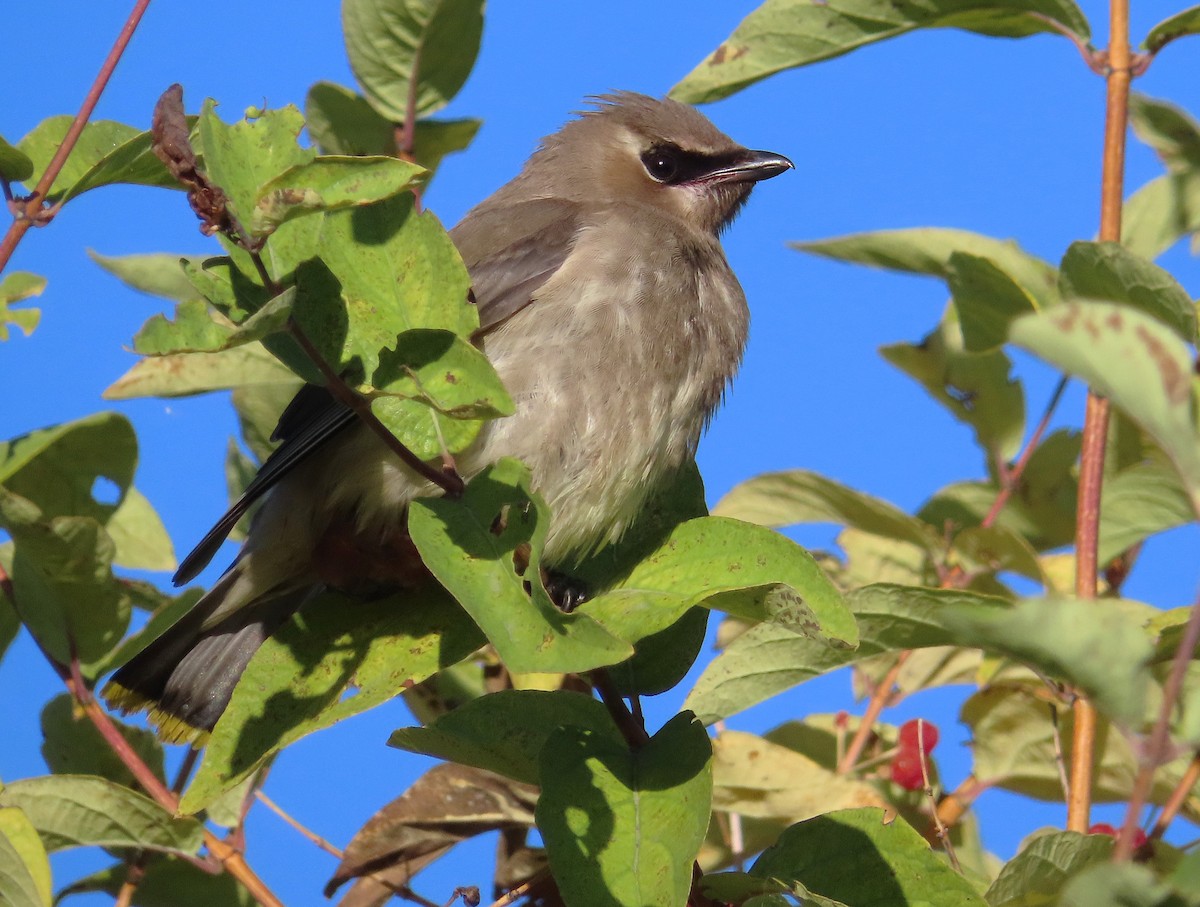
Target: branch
1158,746
1095,425
871,715
33,204
1178,797
1012,477
229,858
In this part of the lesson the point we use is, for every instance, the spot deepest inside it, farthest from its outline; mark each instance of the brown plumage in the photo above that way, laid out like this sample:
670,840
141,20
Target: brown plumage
609,311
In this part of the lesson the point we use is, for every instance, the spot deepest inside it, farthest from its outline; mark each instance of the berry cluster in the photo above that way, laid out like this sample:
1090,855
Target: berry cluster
916,737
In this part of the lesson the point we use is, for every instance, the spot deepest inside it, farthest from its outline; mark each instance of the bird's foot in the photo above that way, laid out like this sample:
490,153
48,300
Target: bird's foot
565,591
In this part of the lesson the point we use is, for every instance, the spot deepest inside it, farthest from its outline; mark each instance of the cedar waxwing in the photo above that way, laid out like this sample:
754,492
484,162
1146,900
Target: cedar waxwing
610,313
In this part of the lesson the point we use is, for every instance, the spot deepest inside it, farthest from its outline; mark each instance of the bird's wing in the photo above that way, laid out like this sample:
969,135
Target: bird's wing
312,418
510,251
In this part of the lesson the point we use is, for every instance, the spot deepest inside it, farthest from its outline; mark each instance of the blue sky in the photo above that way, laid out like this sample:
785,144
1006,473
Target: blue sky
937,129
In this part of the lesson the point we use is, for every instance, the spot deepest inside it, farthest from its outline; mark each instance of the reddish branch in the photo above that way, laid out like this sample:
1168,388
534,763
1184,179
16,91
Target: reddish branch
1095,425
33,205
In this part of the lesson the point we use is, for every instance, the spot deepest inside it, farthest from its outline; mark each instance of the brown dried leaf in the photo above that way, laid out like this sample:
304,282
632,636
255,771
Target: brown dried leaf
446,805
173,145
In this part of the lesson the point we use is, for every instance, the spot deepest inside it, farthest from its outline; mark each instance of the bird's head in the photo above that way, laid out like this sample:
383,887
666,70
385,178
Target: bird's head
659,153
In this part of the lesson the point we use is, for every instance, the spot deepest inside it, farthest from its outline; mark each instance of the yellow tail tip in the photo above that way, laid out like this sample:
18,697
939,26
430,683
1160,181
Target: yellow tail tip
169,728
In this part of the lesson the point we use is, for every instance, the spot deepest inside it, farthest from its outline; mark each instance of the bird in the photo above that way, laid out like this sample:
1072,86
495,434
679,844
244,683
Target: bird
609,311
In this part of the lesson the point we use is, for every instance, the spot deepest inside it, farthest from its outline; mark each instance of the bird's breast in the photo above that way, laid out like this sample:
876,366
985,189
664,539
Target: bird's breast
615,369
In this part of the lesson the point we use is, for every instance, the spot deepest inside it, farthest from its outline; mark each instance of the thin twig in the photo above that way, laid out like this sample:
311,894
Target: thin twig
871,715
955,804
306,832
1060,759
529,886
446,478
1157,748
1011,477
1178,797
631,729
1095,59
942,833
33,204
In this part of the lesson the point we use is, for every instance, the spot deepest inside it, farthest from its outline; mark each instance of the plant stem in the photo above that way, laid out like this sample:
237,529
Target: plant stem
33,204
1095,425
870,716
1157,749
308,833
1178,796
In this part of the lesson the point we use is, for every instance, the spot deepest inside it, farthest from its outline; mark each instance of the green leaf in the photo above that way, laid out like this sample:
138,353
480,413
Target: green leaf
106,153
928,250
193,330
419,48
245,156
158,273
141,539
17,286
855,857
71,745
63,587
1131,358
1041,511
768,658
783,34
621,827
1117,885
1037,874
24,866
15,165
1169,130
975,387
735,567
329,183
78,811
1186,22
183,374
1108,271
1139,502
1015,746
470,545
1160,213
435,139
168,883
505,732
986,299
301,679
444,371
664,650
753,776
57,468
1097,646
798,496
343,122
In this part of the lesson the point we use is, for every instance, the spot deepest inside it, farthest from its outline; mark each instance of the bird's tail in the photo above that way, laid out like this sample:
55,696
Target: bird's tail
185,678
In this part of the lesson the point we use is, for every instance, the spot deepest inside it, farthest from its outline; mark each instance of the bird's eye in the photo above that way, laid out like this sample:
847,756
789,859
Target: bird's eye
661,163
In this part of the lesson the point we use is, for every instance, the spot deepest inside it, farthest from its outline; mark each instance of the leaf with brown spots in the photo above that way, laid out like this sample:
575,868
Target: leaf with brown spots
1133,359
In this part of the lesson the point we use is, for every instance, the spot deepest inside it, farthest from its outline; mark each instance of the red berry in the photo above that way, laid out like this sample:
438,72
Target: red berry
927,739
906,769
1103,828
841,719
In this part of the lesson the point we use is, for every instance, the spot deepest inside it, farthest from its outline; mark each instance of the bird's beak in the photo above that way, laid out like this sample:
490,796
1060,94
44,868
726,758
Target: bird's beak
749,167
